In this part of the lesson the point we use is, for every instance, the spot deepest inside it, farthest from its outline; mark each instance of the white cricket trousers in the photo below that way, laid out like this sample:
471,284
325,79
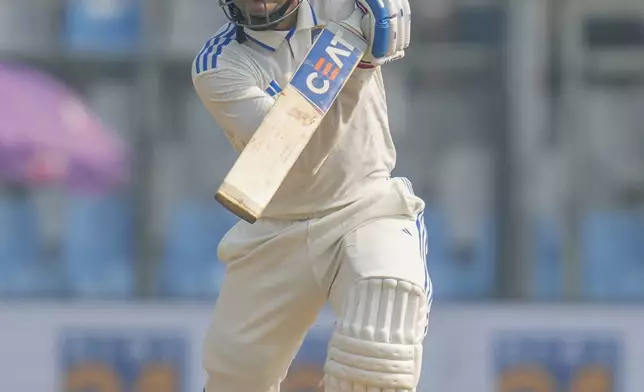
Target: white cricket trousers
279,274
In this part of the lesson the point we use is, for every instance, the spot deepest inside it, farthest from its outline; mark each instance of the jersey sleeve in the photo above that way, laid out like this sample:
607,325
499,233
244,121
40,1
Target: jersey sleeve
232,96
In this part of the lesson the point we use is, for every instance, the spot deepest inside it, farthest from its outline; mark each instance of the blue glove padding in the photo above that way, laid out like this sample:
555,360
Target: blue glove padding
387,26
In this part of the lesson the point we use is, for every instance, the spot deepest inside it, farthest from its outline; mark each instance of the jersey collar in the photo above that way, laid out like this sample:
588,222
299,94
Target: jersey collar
272,39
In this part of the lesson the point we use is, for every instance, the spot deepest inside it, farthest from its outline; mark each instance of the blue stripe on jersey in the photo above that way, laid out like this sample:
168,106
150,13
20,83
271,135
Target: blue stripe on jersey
276,86
201,62
263,45
290,33
208,48
229,37
273,89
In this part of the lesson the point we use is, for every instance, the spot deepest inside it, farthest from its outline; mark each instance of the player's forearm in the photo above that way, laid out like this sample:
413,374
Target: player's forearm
239,113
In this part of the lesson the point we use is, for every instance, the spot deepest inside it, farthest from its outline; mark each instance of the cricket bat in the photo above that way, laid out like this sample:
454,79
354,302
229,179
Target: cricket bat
291,122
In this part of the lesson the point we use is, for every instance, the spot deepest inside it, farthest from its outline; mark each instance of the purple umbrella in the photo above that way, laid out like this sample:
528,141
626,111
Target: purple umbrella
48,135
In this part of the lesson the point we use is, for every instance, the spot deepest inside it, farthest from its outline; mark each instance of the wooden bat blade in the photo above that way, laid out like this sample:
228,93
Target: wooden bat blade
287,128
265,161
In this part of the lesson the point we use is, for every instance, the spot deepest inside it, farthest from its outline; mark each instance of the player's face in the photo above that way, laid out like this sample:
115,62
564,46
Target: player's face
259,7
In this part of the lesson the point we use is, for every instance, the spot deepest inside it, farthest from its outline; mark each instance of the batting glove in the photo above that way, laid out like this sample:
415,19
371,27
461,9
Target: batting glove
386,24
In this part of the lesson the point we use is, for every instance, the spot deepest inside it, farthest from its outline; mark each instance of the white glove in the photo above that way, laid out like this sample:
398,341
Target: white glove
386,24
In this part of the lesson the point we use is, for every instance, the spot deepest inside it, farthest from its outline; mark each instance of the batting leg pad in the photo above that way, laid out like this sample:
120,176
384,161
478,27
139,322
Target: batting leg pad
377,342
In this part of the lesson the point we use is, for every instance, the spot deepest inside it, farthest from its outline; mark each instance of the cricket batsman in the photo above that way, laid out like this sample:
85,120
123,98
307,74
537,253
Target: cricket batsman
340,230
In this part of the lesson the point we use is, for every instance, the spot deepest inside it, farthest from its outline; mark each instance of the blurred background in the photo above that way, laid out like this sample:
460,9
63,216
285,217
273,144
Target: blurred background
520,122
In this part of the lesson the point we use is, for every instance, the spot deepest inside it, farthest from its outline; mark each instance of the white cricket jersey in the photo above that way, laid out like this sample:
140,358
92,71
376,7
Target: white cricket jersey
351,152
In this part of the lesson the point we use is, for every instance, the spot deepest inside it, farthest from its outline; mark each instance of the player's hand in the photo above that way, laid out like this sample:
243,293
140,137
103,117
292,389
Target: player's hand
387,26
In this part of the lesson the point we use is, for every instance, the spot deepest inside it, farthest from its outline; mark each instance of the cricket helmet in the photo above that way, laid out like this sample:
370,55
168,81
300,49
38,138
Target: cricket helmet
238,14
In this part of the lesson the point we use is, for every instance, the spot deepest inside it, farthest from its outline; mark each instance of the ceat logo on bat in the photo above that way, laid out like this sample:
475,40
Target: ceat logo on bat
326,69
